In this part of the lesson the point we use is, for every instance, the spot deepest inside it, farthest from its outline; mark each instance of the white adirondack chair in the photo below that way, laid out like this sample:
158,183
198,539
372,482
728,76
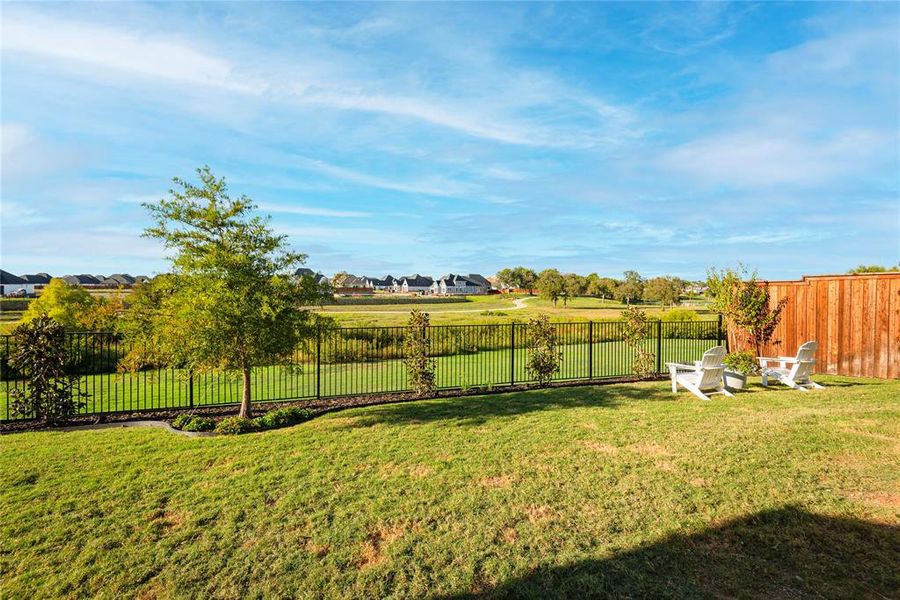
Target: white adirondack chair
797,375
704,375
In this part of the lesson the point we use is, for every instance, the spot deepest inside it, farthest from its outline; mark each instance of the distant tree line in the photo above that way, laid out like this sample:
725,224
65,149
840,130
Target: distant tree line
631,289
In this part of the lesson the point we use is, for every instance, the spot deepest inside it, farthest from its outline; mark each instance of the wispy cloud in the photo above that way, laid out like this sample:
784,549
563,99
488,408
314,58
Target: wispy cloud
312,211
150,55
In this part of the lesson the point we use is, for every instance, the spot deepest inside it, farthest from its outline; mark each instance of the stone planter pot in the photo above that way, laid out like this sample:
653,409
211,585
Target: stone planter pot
735,380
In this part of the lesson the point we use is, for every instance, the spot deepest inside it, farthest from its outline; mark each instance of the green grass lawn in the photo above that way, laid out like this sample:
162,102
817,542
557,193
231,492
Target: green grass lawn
621,490
482,368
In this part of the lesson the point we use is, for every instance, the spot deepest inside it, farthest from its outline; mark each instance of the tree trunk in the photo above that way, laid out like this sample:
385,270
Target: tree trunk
246,410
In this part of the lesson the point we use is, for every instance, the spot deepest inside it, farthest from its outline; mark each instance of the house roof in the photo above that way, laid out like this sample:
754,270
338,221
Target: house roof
304,272
8,278
119,279
417,280
83,279
452,279
352,281
37,278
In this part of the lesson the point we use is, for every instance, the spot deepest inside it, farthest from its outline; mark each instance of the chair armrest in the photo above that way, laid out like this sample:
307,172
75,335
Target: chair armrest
681,366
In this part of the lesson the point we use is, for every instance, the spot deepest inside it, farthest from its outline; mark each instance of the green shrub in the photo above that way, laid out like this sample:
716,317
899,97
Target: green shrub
14,304
416,354
236,425
544,356
282,417
743,362
198,423
680,315
181,420
40,353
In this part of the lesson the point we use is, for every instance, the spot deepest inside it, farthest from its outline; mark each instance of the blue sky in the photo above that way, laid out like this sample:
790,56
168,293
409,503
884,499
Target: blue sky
393,138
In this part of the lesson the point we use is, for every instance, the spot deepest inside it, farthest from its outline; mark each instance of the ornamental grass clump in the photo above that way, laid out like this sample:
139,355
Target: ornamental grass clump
416,351
544,357
39,353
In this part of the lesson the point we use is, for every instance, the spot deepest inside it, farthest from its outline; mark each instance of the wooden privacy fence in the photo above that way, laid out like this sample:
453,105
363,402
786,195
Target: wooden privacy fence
854,318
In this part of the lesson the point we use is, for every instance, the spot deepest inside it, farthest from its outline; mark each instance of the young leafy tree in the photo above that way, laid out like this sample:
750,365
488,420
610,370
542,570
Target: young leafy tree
230,302
665,290
544,356
551,284
573,286
637,330
745,304
527,278
69,305
39,354
416,353
631,289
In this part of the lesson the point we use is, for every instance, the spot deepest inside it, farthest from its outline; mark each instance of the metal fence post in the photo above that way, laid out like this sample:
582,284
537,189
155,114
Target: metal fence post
512,354
318,363
659,346
191,388
590,349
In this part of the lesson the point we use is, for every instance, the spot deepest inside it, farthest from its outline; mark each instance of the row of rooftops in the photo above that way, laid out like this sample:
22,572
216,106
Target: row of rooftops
412,281
117,279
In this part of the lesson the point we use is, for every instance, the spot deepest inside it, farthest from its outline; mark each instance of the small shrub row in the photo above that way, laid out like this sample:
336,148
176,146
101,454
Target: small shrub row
14,304
190,422
280,417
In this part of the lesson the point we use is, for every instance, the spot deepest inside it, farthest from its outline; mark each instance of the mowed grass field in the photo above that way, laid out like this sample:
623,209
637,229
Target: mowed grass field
609,491
495,308
485,368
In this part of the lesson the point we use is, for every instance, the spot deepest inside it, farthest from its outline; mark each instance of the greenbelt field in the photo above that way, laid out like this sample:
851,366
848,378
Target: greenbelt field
611,491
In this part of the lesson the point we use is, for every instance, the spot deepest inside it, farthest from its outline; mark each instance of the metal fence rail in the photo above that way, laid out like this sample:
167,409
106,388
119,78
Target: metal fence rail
366,360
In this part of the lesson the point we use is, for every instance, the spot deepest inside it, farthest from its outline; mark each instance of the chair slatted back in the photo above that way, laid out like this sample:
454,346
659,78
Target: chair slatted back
711,368
802,370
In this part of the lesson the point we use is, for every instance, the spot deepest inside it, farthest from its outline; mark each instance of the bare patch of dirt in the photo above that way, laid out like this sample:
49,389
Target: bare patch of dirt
698,482
509,535
601,447
881,499
500,481
373,548
317,550
650,449
420,471
537,513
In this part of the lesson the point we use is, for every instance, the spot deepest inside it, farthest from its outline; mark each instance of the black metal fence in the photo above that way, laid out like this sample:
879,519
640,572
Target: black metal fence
367,360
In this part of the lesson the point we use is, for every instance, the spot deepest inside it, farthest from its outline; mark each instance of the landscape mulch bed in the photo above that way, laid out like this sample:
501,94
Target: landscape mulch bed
319,406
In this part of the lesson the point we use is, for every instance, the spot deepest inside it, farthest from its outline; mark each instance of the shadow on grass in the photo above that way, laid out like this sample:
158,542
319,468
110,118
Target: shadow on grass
476,410
783,553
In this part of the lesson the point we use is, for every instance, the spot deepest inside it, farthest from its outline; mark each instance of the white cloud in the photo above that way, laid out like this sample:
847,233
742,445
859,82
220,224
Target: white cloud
325,77
295,209
768,156
433,186
148,55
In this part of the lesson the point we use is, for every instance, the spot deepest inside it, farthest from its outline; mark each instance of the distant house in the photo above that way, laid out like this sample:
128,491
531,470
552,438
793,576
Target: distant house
380,284
414,283
453,284
355,283
83,279
141,279
317,277
10,283
119,280
38,278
